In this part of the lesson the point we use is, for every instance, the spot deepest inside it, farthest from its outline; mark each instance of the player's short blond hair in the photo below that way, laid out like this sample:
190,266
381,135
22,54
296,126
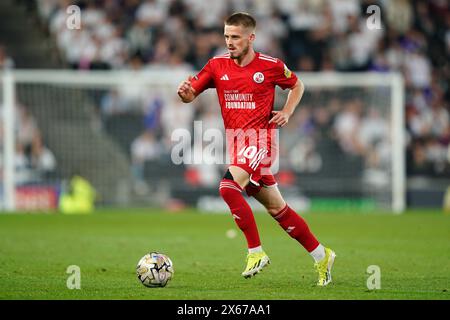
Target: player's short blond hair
241,19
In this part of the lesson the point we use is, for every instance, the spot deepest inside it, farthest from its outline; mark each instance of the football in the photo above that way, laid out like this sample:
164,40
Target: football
155,269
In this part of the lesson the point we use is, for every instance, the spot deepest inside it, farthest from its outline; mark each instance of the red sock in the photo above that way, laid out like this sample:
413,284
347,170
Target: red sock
231,192
297,228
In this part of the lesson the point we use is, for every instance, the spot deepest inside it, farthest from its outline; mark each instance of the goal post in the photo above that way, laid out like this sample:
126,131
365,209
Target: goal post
61,98
8,140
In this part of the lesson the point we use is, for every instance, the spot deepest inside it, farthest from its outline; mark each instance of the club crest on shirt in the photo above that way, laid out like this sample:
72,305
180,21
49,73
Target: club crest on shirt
258,77
287,72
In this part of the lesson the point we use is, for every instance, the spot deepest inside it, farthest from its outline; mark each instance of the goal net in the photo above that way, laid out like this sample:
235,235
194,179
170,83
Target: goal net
117,132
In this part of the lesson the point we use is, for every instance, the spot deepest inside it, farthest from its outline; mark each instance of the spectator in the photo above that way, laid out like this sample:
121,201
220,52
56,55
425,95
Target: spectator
347,126
418,70
399,15
176,116
140,39
6,62
112,104
144,148
27,128
42,160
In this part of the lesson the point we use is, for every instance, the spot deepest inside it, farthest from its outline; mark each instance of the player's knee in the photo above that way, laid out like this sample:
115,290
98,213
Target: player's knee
228,186
276,206
275,209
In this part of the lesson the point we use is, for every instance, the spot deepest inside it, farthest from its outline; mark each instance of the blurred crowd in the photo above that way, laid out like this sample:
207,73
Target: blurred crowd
34,162
309,35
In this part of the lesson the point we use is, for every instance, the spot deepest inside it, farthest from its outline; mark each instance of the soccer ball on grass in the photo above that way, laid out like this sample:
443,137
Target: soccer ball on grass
154,269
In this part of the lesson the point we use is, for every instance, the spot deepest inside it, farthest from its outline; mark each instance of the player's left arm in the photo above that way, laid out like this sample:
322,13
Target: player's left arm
281,117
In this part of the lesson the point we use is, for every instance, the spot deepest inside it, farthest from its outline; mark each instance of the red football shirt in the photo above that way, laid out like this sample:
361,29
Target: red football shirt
246,96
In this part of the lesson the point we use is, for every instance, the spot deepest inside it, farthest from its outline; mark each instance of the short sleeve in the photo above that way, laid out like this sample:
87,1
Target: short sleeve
284,77
204,79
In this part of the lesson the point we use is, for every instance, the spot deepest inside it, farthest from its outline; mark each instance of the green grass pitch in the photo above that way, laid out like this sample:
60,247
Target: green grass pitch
412,251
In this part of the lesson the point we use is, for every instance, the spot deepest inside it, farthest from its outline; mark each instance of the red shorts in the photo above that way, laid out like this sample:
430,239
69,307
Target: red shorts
258,182
258,167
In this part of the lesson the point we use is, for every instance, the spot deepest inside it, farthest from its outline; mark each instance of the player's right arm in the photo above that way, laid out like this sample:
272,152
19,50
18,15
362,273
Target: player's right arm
186,92
189,89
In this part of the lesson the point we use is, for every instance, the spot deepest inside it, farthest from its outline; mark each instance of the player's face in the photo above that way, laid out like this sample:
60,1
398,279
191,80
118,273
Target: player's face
238,40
